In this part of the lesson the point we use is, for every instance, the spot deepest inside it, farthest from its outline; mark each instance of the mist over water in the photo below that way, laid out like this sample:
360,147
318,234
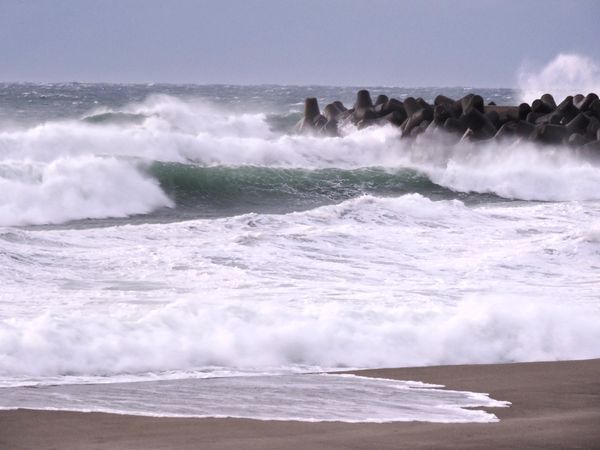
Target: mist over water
184,232
566,74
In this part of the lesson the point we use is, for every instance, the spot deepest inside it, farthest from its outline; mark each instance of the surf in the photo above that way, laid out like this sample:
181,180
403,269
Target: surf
164,154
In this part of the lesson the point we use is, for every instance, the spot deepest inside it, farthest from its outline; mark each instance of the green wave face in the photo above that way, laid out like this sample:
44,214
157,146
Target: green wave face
226,190
115,118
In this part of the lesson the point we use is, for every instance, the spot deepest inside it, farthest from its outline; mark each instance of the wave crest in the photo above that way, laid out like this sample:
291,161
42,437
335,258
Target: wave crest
203,156
75,188
188,335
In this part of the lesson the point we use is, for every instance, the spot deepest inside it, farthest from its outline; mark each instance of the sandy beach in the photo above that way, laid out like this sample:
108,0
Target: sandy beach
554,405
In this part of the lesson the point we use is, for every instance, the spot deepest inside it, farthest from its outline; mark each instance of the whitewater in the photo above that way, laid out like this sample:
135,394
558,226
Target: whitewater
183,240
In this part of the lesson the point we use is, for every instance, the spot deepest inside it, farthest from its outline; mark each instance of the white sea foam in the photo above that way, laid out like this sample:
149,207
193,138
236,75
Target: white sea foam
39,159
366,283
344,398
518,170
74,188
592,235
190,335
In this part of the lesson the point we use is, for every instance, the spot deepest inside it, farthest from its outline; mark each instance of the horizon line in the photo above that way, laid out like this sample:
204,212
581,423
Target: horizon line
171,83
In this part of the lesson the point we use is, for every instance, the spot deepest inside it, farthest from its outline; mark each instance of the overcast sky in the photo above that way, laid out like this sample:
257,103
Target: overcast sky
478,43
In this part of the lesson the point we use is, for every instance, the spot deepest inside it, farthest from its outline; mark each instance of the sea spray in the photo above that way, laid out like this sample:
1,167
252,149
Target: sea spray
340,398
213,145
566,74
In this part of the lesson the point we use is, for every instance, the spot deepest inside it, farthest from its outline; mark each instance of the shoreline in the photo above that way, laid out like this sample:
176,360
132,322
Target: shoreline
554,405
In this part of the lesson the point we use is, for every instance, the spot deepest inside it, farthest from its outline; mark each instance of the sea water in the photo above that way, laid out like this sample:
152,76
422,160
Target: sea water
179,251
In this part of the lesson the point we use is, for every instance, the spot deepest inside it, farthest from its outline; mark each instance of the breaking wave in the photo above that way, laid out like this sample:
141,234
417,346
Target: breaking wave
75,188
189,338
166,152
365,283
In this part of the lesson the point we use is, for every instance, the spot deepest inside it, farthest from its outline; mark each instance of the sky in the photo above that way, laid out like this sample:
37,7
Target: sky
478,43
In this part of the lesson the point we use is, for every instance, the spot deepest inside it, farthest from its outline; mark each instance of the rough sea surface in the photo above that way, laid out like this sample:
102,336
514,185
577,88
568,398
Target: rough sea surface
154,238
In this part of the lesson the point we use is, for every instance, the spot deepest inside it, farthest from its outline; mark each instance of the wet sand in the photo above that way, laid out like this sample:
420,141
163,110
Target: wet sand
554,405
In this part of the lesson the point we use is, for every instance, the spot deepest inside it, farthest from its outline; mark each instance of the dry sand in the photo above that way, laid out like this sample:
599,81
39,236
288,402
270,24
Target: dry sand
555,405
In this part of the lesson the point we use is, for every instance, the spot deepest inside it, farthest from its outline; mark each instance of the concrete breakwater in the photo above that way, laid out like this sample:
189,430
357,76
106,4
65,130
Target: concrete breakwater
575,121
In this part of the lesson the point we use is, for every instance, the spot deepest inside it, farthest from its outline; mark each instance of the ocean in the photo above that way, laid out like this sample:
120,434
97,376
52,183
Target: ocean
176,250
